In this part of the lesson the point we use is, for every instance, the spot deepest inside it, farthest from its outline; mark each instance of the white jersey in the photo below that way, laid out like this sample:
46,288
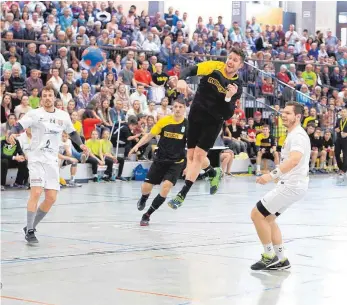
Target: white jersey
46,130
297,140
25,143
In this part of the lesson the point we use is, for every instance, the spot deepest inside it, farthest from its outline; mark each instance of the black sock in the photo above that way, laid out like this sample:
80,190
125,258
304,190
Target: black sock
187,185
157,202
210,171
144,198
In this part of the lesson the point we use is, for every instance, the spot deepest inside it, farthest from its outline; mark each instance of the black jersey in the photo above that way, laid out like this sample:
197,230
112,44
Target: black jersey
328,143
210,95
316,142
265,142
173,137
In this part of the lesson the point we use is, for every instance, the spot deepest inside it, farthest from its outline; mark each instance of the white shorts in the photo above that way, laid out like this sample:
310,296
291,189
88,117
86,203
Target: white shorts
282,197
44,175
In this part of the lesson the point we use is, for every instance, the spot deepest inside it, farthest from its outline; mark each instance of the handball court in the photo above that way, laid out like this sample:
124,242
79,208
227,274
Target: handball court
92,250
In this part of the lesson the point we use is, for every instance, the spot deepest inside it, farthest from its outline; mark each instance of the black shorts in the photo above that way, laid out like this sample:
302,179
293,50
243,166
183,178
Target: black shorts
160,171
268,155
203,130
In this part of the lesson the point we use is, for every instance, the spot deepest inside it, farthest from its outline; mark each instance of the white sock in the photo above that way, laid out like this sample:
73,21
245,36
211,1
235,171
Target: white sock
72,178
258,167
279,250
96,175
269,249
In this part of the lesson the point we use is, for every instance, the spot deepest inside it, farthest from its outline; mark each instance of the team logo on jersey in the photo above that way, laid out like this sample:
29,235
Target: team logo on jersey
60,122
183,128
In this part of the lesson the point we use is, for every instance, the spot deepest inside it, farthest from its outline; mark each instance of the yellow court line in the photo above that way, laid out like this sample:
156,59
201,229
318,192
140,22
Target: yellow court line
23,300
156,293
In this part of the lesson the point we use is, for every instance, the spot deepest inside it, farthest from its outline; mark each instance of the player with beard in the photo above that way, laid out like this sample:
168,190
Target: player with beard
214,102
47,124
292,176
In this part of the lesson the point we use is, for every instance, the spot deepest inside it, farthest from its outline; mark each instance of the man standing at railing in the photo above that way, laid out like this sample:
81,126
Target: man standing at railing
214,102
341,144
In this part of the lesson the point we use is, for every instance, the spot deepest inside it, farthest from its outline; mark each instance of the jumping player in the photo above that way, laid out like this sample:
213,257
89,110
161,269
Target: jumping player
292,186
214,102
47,124
169,159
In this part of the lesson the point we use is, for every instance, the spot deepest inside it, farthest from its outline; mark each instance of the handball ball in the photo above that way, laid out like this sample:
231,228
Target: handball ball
92,58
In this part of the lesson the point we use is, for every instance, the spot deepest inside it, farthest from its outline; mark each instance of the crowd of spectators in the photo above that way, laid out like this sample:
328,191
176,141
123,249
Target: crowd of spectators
132,86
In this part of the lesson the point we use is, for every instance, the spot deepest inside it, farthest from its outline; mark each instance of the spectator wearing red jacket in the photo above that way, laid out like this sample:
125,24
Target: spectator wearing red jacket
143,76
283,75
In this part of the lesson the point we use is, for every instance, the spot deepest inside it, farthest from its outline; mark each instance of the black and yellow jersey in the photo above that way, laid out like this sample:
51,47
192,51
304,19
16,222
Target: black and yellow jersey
309,120
210,95
265,142
173,137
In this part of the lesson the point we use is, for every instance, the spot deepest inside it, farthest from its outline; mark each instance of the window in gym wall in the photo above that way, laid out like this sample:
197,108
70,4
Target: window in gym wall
343,17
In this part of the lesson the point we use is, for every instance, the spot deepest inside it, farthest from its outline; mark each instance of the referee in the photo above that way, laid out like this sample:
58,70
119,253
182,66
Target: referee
341,144
214,102
169,159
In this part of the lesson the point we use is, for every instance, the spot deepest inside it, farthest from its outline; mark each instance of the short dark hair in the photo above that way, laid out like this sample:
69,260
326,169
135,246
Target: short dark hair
180,101
298,108
239,52
266,126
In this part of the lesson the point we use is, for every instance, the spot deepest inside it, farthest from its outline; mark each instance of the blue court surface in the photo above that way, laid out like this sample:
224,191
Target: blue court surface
92,250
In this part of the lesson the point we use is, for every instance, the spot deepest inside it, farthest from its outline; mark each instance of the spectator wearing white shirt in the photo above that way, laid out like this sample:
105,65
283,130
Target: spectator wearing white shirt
300,46
291,35
55,81
139,96
37,24
322,51
163,110
23,107
149,44
151,111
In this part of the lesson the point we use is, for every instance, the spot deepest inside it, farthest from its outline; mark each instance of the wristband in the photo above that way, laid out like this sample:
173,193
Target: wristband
276,173
227,99
13,158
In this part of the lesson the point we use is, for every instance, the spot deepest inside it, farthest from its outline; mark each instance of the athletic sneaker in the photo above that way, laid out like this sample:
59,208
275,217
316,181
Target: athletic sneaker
258,173
96,179
144,221
84,158
265,262
30,237
121,178
215,181
282,265
141,205
25,230
73,183
3,188
176,202
106,178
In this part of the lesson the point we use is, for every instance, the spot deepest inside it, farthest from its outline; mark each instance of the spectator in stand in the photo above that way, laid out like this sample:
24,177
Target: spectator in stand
6,127
138,95
23,107
34,81
34,99
266,147
163,110
283,75
12,156
317,151
31,60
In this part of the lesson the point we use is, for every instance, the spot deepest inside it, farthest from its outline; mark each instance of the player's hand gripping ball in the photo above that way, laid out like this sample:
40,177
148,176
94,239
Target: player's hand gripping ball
92,58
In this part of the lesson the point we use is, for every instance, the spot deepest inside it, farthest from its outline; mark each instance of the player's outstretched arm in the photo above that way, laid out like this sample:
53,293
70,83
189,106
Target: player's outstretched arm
144,140
75,137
